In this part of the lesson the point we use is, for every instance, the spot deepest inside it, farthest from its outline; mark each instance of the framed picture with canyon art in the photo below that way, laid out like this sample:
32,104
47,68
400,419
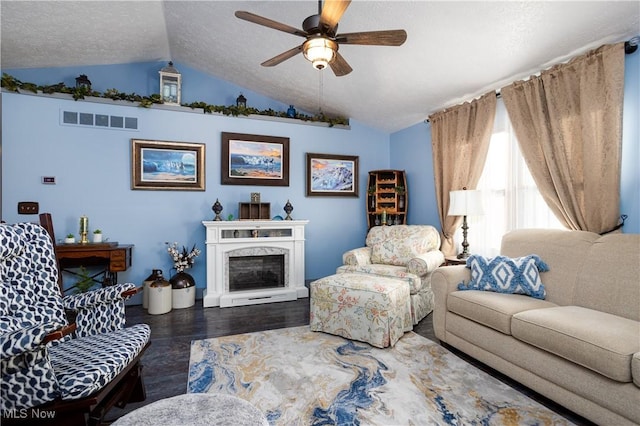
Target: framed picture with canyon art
332,175
254,160
162,165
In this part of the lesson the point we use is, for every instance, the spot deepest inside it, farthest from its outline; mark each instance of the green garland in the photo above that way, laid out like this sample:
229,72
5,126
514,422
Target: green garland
14,85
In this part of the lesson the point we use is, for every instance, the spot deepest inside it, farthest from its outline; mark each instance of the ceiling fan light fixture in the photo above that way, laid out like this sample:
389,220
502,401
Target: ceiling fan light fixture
320,51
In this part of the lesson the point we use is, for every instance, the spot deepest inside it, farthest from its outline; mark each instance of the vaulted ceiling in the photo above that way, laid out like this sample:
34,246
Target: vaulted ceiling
454,50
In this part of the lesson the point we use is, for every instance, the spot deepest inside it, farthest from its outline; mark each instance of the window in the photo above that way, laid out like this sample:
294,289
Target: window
510,196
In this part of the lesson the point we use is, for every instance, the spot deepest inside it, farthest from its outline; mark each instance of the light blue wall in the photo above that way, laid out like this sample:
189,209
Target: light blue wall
630,173
411,150
143,79
92,167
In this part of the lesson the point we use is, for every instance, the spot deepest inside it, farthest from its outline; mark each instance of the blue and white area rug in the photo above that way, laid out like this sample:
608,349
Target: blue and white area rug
299,377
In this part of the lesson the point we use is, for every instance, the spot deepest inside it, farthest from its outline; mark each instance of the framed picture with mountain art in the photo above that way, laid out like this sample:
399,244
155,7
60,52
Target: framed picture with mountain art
332,175
254,160
162,165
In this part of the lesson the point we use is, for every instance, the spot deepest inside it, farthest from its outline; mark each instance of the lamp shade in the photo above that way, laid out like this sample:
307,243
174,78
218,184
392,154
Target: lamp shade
465,203
319,51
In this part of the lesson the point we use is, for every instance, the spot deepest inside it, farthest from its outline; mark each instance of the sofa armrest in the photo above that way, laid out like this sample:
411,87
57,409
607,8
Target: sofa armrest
28,339
445,280
357,257
424,263
99,296
100,311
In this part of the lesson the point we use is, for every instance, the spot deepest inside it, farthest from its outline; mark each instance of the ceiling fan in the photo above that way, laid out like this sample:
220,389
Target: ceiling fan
322,42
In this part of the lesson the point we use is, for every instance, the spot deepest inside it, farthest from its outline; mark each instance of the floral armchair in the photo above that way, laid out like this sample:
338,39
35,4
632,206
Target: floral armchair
76,371
407,252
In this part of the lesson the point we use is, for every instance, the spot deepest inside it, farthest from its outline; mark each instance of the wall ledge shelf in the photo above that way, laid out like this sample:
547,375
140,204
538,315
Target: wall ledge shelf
93,99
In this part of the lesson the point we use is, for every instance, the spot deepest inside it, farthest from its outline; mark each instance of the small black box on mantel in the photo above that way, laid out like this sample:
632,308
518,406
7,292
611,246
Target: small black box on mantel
254,211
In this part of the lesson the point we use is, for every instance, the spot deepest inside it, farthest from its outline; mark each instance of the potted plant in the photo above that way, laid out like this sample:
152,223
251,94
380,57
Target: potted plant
85,281
97,236
70,239
182,284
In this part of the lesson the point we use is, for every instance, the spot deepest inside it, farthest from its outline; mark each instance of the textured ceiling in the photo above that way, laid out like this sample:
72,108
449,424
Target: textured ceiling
454,50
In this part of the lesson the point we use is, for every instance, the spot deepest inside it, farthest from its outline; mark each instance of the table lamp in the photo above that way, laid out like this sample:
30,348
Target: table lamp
465,203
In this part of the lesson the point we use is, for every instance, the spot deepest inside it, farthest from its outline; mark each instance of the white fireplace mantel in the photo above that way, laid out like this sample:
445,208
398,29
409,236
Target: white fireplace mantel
224,237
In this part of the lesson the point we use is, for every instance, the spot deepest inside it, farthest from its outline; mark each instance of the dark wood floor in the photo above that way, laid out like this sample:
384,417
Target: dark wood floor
166,362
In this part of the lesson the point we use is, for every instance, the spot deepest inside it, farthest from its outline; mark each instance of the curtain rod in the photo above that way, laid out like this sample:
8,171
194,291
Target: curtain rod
629,47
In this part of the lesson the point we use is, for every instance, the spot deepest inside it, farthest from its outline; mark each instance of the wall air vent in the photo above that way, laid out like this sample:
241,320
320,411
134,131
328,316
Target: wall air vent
102,121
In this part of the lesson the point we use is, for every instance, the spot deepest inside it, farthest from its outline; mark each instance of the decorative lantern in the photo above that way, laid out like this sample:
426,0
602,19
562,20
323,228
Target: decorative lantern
83,81
241,101
217,209
288,208
170,85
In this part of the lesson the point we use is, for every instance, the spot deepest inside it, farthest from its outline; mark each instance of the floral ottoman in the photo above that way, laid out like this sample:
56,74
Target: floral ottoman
363,307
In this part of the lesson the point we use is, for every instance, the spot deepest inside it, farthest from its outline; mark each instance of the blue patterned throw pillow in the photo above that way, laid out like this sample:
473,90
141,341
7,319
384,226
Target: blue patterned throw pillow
506,275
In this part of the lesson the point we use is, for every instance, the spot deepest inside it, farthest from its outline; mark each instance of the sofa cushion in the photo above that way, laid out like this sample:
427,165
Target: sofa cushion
396,245
596,340
614,261
506,275
87,364
395,251
492,309
399,272
11,242
635,368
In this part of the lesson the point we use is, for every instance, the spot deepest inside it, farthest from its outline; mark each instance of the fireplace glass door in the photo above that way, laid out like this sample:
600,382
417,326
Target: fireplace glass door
256,272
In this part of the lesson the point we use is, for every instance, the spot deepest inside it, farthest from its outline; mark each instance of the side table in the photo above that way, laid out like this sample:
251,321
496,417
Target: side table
453,260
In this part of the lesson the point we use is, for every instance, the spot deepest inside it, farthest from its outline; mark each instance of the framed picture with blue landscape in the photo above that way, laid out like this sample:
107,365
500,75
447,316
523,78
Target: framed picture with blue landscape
163,165
254,160
332,175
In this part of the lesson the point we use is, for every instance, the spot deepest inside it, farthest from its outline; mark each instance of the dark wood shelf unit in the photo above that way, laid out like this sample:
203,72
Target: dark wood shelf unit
383,198
261,211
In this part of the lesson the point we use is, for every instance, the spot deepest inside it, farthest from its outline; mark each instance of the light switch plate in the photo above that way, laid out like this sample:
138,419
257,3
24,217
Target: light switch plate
28,207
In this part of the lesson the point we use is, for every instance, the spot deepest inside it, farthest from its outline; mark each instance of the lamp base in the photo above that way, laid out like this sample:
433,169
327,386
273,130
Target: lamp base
465,243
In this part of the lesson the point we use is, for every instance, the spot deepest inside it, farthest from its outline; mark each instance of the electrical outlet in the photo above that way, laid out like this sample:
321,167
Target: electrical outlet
28,207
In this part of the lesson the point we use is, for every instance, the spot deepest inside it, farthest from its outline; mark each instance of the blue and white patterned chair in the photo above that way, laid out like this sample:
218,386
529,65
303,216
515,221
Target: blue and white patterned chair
75,372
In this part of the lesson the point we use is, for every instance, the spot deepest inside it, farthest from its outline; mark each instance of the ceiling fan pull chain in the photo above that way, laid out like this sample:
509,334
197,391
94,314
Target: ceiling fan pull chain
320,91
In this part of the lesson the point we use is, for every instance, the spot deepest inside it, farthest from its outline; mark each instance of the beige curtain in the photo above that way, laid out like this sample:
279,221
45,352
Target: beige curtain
568,122
460,140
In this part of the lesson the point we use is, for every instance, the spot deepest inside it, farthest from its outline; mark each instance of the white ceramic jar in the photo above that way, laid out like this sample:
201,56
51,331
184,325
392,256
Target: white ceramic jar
159,296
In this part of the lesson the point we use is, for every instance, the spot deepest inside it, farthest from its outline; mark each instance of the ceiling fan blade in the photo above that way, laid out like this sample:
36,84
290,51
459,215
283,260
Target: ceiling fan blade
332,11
282,57
260,20
339,66
374,38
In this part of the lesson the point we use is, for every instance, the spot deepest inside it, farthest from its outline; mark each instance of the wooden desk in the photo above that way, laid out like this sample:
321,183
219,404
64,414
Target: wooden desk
112,257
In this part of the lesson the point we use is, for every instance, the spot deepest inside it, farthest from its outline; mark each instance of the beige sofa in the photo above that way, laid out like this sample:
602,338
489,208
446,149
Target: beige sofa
580,347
